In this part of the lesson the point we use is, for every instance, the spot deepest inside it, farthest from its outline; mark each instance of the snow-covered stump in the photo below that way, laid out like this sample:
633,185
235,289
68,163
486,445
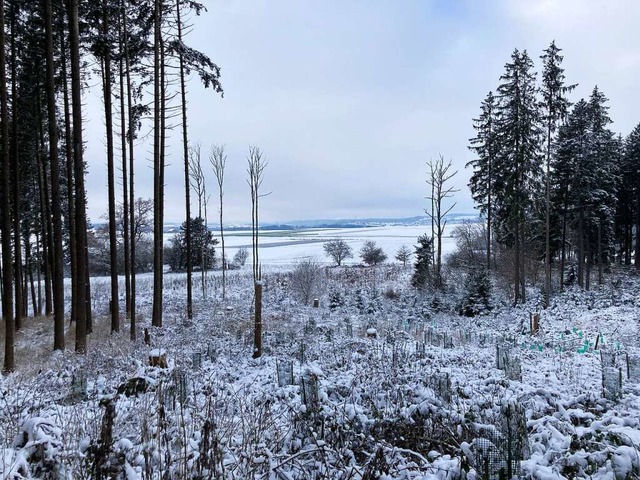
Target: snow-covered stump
284,370
158,358
612,383
534,323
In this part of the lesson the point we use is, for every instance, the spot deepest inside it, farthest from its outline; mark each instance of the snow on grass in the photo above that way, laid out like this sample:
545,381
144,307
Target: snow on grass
376,407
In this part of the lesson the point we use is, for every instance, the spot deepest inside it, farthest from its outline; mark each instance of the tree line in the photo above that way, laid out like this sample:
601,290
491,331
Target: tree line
50,51
555,184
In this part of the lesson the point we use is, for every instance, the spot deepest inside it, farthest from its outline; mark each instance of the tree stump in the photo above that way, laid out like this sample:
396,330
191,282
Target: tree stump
158,358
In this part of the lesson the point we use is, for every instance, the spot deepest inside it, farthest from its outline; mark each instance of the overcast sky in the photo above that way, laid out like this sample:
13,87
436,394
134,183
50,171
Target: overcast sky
348,99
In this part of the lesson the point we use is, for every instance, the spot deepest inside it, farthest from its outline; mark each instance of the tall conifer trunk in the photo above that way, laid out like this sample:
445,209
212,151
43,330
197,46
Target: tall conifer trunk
125,186
7,269
158,167
111,174
20,306
185,152
58,273
82,311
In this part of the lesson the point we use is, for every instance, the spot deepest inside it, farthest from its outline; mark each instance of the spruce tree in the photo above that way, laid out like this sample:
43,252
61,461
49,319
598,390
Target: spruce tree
485,145
631,178
555,107
518,162
422,274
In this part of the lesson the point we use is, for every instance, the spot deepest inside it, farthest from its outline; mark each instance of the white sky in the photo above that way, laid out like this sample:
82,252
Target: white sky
349,99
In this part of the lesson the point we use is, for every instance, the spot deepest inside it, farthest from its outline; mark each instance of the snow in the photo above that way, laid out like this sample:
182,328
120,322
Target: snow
376,393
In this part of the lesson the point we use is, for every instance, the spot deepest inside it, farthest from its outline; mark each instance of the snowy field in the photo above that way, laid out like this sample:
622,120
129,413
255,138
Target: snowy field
379,382
285,247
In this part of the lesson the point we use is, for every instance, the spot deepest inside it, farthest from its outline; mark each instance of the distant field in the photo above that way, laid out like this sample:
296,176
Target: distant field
282,247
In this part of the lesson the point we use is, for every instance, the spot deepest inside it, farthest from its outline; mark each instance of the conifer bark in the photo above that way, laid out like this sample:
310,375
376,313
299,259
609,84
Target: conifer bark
56,211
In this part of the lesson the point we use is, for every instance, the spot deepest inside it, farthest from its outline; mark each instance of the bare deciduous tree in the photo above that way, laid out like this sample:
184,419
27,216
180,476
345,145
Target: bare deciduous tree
200,187
439,175
218,159
306,279
255,169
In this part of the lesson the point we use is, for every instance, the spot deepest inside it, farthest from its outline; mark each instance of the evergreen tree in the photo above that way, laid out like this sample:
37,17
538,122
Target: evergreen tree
517,167
567,166
555,107
631,185
477,293
422,275
202,247
586,182
485,145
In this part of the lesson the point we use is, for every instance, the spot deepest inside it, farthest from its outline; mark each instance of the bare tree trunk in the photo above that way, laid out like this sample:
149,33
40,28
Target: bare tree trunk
547,256
564,245
438,177
523,253
5,199
581,250
637,256
124,167
29,271
185,149
132,311
82,311
257,334
47,237
587,280
111,174
45,218
56,211
517,268
218,160
70,172
19,303
39,275
158,162
600,262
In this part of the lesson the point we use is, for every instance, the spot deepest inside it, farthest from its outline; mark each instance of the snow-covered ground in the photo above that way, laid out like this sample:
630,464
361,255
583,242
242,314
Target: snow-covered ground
285,247
378,382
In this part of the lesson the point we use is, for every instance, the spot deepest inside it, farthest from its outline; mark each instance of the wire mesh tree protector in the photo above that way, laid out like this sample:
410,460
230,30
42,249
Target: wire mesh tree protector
500,449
